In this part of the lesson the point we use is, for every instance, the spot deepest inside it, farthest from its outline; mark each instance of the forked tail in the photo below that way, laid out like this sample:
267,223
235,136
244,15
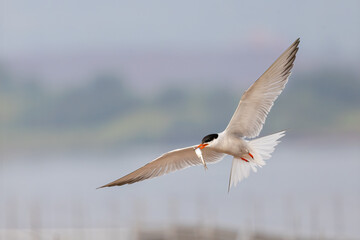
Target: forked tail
261,149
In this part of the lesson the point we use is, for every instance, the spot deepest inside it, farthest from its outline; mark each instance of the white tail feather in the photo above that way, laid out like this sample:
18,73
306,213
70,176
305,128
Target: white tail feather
264,146
261,149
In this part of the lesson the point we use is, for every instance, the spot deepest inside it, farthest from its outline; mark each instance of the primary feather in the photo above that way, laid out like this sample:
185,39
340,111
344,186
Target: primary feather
256,102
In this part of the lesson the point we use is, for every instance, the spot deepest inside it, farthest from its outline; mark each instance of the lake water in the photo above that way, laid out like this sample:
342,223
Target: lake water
308,187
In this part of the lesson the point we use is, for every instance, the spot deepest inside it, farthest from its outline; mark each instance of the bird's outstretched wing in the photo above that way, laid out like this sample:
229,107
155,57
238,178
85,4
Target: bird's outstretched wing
257,101
169,162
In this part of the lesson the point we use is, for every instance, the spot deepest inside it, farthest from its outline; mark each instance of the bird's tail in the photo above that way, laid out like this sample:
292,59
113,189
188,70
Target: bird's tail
260,150
264,146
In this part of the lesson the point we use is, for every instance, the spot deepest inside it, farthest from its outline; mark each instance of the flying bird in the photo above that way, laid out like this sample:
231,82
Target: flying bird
238,139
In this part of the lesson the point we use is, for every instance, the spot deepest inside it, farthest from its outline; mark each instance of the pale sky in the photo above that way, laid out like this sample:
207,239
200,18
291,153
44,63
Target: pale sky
62,41
57,26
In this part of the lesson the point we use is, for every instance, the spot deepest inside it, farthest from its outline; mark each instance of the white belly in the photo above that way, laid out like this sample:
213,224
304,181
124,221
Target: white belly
231,145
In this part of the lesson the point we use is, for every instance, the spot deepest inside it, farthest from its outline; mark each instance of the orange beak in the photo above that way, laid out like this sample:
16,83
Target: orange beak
202,146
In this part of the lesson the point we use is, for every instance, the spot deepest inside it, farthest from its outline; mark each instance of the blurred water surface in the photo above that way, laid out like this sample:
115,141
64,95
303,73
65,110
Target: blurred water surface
307,188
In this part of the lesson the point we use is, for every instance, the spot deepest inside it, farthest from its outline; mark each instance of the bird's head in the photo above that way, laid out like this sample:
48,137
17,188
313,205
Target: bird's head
207,140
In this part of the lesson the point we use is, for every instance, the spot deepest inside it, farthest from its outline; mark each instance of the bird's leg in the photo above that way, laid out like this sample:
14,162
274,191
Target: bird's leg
252,156
244,159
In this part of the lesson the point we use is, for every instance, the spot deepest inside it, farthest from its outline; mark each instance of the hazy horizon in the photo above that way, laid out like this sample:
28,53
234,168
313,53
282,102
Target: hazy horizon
62,44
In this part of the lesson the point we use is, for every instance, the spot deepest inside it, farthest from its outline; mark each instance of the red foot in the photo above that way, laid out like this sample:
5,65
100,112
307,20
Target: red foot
251,155
244,159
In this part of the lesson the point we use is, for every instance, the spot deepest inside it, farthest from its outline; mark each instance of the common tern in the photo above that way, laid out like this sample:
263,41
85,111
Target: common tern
237,139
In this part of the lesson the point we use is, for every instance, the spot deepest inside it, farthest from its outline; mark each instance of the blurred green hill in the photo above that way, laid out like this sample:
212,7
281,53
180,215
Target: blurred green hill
108,114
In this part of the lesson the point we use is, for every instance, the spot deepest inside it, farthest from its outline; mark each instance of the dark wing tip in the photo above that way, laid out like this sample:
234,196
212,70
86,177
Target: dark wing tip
294,47
297,41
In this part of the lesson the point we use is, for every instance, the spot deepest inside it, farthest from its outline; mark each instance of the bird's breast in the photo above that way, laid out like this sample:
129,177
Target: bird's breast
232,146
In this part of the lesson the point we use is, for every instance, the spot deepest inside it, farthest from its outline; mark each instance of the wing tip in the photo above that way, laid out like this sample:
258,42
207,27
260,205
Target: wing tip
112,184
103,186
297,42
294,48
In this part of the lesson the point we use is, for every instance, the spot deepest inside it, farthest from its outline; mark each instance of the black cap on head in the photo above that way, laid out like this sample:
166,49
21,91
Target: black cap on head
209,138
